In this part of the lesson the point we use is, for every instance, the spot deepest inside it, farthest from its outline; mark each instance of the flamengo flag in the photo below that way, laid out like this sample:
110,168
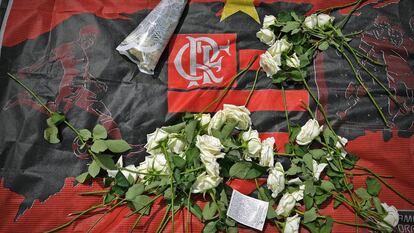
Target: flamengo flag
65,50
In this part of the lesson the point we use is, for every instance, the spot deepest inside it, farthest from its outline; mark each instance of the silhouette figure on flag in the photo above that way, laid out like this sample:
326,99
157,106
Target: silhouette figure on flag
388,42
78,87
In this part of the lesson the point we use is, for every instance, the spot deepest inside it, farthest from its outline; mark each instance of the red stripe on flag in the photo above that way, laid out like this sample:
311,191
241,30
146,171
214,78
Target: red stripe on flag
245,55
281,139
261,100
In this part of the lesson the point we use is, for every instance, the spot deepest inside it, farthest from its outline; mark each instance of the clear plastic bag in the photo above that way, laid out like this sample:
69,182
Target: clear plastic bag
147,42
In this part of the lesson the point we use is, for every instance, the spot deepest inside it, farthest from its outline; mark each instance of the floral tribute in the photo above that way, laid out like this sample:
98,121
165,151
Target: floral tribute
196,158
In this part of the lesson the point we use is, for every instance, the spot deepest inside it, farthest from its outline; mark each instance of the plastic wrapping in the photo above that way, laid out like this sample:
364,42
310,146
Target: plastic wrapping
146,43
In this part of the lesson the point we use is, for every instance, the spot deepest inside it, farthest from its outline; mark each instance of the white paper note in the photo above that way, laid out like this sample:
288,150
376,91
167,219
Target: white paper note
247,210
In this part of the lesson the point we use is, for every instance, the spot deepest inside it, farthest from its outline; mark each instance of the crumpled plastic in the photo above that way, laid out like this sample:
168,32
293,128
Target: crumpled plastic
146,43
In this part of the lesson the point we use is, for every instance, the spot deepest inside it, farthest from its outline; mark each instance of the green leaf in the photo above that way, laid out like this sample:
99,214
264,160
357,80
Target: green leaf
192,154
108,198
178,161
319,199
377,204
327,186
310,215
284,17
121,180
279,78
240,169
304,60
363,194
99,146
246,170
57,118
327,227
82,177
223,197
174,128
85,134
232,230
309,188
294,132
323,46
227,129
373,186
210,227
154,184
296,75
295,16
294,31
293,170
338,202
271,213
117,146
317,153
312,227
290,26
168,194
196,210
135,190
329,137
308,200
209,211
308,160
94,169
105,162
51,135
99,132
190,130
120,191
139,202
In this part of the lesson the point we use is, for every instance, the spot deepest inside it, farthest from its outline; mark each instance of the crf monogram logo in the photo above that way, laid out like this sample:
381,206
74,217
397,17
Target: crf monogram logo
210,51
201,60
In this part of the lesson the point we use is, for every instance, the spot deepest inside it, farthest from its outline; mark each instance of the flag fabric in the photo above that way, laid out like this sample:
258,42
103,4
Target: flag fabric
65,51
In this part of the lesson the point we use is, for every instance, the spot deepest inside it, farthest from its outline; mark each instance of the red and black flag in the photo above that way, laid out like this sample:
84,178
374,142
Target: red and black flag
65,51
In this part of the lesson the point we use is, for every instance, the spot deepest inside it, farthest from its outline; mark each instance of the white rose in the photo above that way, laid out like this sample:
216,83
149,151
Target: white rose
292,224
338,145
311,21
131,168
153,163
204,119
279,47
205,182
238,113
308,132
119,163
266,36
270,64
253,143
276,179
317,169
324,19
392,217
298,195
209,146
216,121
268,21
297,180
293,61
341,141
154,139
286,204
212,168
266,154
175,145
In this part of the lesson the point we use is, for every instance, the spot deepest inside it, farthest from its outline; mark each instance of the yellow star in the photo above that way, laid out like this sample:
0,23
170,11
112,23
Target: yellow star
246,6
